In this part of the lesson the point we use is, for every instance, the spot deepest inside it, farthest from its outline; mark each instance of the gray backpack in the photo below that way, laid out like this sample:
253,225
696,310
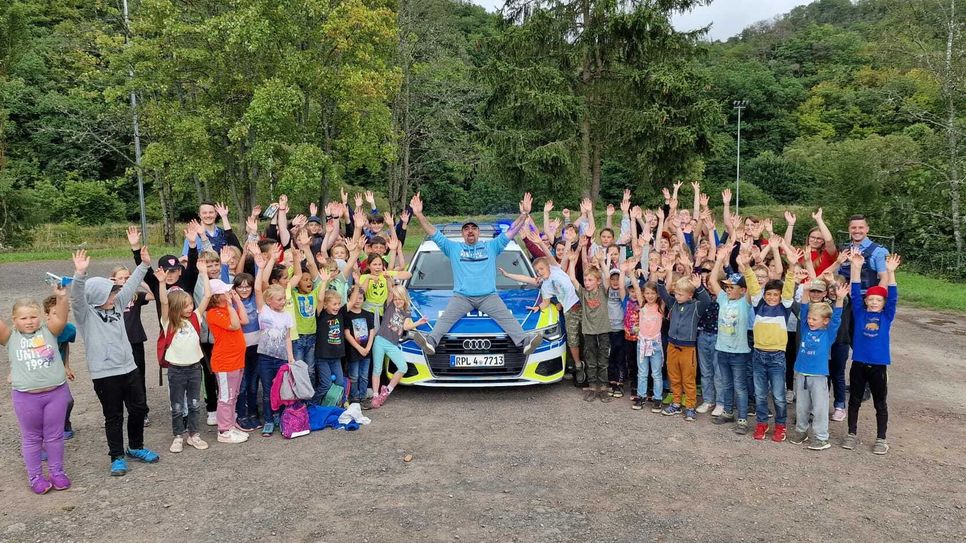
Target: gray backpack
297,386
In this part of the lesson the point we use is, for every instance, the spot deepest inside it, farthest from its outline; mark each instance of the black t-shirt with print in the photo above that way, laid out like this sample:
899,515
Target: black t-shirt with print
359,325
329,340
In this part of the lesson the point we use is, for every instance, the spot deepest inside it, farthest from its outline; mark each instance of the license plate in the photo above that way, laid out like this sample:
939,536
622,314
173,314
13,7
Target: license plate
476,360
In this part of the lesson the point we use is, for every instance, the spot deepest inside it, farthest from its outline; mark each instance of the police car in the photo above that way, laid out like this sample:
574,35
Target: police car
476,351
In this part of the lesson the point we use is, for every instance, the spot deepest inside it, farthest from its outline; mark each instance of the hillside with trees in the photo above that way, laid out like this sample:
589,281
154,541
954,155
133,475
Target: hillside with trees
854,106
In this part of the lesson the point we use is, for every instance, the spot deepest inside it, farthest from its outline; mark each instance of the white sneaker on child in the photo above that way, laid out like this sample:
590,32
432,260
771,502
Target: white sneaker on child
177,445
232,436
196,442
718,410
212,419
704,407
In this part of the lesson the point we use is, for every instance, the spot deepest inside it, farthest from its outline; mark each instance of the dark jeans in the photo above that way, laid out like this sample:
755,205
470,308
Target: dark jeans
840,357
267,368
791,355
875,375
325,368
211,385
616,365
768,368
247,405
630,362
138,350
359,378
735,368
184,384
117,393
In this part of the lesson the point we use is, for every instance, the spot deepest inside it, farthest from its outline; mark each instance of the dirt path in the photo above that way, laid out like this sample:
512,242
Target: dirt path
530,464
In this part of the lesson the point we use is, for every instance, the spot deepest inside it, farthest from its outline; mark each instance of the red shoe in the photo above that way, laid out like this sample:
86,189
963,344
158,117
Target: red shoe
760,429
779,434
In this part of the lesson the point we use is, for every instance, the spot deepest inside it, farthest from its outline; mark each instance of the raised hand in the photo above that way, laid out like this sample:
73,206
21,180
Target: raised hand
225,255
344,196
314,208
548,206
160,274
726,196
843,256
636,212
283,203
742,259
660,213
81,261
404,216
251,225
696,280
134,237
360,217
145,256
416,203
527,203
696,186
610,210
221,209
256,211
790,218
767,226
358,200
387,218
626,201
841,291
392,243
371,199
892,262
552,228
352,245
801,274
817,216
331,225
677,186
502,271
795,254
857,258
257,256
703,200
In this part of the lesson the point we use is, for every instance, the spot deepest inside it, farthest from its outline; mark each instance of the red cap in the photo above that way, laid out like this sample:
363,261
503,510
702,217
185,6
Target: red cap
877,291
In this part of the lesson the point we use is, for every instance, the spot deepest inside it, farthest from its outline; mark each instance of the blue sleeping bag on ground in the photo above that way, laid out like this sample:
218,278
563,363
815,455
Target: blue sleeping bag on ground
327,416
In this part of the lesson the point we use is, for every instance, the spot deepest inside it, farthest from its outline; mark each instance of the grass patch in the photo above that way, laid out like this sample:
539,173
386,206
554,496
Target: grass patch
930,292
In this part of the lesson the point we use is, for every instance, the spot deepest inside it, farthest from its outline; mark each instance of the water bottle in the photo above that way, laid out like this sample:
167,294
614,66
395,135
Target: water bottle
54,280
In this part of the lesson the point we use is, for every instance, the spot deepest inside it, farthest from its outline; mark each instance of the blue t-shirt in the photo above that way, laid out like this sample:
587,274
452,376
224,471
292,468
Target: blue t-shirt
474,266
733,324
68,335
815,346
870,340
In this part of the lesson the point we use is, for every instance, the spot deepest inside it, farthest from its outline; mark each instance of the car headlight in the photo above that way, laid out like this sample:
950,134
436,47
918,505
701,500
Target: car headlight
553,332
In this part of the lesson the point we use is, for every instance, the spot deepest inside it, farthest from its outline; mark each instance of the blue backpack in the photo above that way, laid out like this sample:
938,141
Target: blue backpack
869,277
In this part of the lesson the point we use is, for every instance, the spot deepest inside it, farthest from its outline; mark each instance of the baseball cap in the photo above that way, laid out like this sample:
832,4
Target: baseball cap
170,263
219,287
469,223
315,219
817,284
615,271
735,279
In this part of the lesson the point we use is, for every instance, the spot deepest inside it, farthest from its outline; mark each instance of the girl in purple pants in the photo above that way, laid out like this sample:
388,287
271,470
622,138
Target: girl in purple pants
40,394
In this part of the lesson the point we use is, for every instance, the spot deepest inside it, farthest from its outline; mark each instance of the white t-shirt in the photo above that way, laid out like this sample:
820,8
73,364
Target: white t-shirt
276,327
558,285
185,347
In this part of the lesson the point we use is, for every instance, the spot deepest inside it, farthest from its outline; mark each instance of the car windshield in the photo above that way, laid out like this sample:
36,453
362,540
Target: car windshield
432,270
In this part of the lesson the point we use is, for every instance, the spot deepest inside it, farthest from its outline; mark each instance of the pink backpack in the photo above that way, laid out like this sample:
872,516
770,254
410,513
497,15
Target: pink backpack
276,395
294,421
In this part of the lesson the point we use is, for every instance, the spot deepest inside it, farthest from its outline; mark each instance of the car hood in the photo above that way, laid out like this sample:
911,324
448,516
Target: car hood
431,303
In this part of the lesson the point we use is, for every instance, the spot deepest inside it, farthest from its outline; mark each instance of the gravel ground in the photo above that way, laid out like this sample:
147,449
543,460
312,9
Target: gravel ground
522,464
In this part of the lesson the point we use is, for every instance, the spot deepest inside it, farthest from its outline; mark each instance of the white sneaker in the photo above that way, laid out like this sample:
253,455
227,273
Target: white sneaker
196,442
177,445
704,407
789,396
212,419
238,432
718,410
232,436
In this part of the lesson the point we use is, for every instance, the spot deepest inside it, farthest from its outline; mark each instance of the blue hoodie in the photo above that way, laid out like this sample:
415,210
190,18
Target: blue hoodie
870,341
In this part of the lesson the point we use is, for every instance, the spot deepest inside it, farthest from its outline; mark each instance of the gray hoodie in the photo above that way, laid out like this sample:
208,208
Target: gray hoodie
105,339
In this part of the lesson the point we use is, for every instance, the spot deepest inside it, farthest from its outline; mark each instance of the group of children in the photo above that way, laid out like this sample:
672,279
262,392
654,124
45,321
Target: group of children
654,303
756,321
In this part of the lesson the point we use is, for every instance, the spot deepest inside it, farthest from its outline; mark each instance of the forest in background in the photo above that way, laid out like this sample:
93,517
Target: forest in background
852,106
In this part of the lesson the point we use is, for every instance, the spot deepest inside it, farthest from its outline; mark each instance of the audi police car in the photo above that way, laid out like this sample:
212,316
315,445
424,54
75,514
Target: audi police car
476,351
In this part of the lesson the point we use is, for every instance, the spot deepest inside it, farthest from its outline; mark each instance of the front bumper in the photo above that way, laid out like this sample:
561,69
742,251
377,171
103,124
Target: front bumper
544,366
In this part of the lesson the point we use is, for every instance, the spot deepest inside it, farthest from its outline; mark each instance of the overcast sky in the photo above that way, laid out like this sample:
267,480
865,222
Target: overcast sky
728,17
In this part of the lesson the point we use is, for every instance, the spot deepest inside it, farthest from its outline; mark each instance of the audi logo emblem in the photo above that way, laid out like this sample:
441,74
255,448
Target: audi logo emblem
477,344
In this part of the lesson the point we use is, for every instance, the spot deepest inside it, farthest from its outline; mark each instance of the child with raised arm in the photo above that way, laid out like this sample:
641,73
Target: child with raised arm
225,315
686,305
181,322
64,339
871,349
360,334
773,306
817,331
397,320
650,354
98,309
275,340
594,324
731,347
40,394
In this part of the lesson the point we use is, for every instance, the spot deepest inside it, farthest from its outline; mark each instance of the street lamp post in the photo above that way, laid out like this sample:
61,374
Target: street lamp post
137,137
739,105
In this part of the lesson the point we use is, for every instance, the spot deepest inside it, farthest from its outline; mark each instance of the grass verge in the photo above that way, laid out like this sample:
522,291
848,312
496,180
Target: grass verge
931,293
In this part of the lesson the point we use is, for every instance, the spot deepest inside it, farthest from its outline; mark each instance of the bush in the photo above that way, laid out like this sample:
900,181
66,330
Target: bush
88,202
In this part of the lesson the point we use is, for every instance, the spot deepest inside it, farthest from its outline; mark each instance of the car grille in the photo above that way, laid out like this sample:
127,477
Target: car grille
512,357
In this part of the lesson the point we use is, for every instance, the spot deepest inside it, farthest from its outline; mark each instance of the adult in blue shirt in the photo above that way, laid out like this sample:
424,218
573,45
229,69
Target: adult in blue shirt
474,279
208,213
874,270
